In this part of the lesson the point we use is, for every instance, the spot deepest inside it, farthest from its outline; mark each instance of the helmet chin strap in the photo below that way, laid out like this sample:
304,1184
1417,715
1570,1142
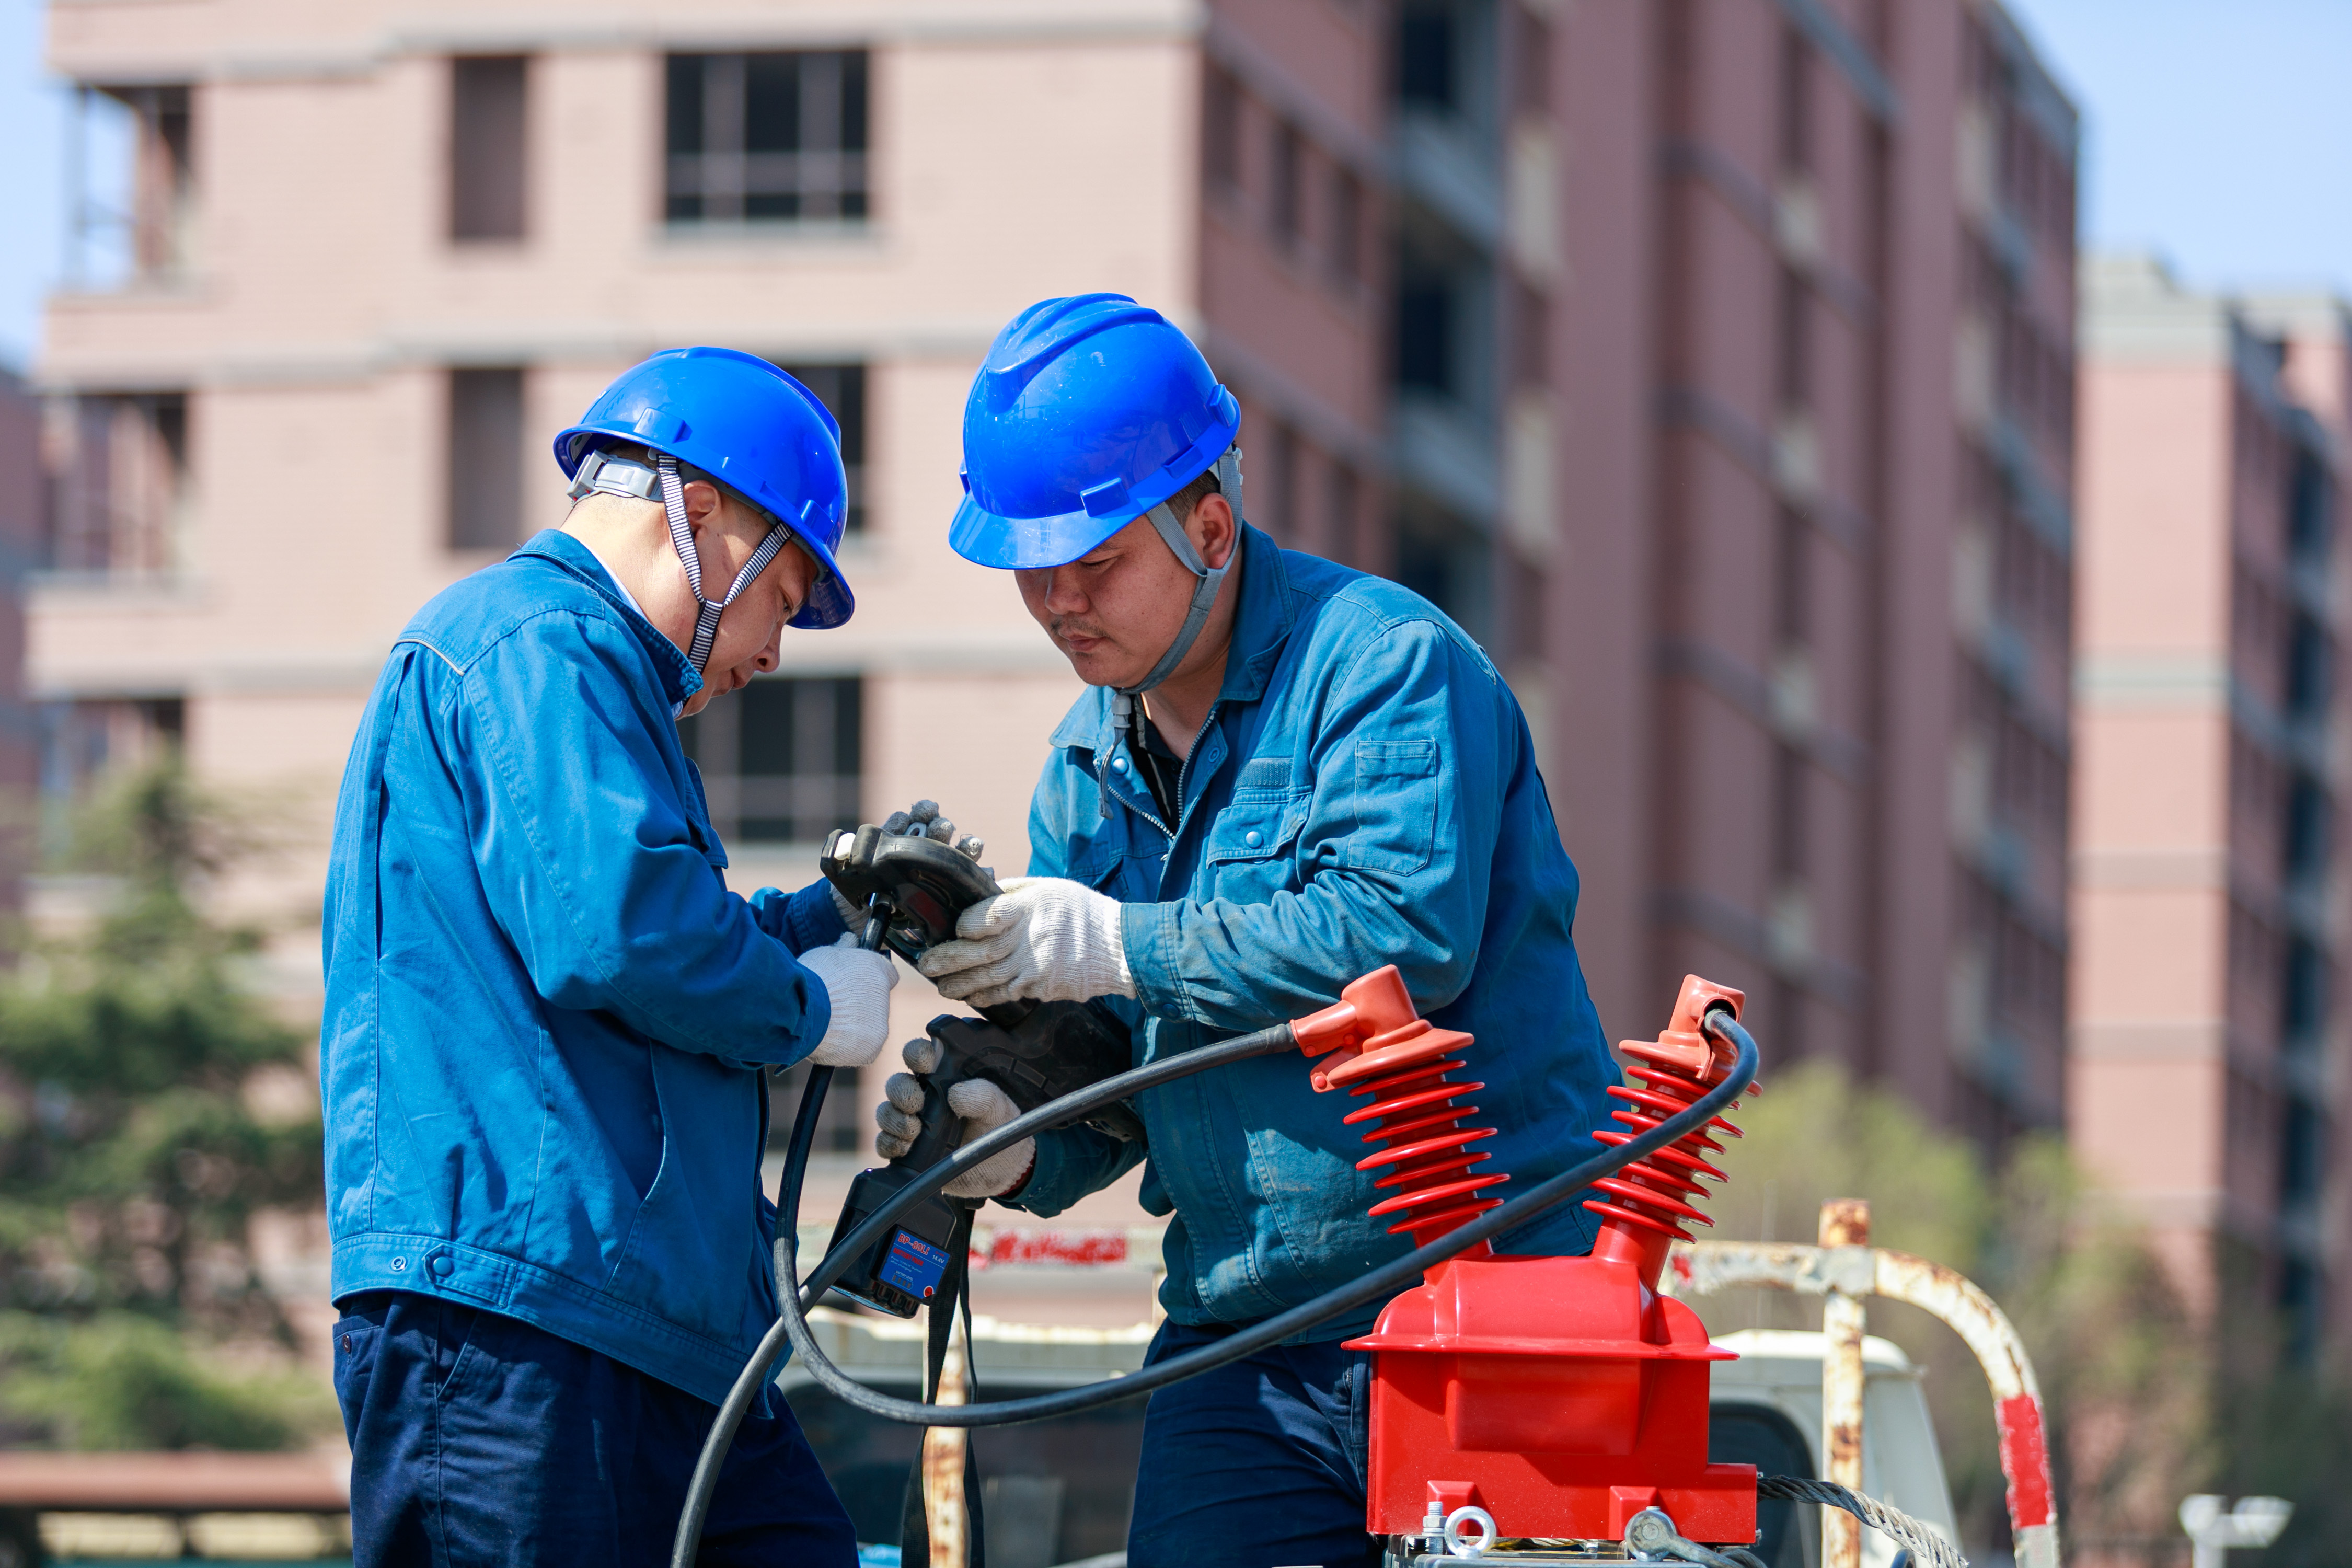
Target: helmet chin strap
681,536
1207,581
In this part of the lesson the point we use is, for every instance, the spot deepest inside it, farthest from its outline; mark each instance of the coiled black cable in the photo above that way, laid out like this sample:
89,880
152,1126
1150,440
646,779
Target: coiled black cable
1387,1280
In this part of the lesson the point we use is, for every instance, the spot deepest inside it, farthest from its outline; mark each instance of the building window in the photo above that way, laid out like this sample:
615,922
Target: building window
1424,342
1531,87
1426,58
486,458
1341,503
767,137
130,220
488,114
1287,199
1220,132
82,742
1792,87
842,388
1280,515
1529,350
1347,218
782,760
115,475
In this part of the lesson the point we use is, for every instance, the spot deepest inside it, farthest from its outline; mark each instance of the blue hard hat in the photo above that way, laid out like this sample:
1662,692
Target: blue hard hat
750,428
1087,412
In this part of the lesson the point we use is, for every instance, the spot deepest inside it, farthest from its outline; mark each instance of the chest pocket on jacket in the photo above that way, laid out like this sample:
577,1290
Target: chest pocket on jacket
1248,854
1396,805
1129,877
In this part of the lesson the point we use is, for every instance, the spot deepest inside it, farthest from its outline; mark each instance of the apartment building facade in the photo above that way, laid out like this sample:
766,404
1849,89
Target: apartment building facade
1808,618
2210,904
1706,358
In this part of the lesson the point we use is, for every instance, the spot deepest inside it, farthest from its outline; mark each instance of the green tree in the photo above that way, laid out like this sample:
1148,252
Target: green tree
130,1158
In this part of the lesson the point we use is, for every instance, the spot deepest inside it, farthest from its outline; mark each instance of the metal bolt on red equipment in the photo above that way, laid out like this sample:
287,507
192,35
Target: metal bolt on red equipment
1561,1395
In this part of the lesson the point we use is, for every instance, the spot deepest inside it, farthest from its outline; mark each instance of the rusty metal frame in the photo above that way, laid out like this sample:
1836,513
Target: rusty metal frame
1846,1273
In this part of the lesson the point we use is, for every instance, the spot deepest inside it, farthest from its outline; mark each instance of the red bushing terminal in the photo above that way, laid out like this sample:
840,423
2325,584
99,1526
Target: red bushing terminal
1562,1396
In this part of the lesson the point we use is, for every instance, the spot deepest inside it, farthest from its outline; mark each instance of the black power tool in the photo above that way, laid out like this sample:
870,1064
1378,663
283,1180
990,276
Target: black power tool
1035,1051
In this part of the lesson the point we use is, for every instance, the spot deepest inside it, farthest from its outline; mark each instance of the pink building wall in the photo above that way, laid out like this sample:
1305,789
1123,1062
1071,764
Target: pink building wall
1775,454
2206,1083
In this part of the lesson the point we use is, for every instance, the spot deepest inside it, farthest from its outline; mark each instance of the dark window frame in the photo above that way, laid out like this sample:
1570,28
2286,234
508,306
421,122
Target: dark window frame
1286,206
782,759
115,471
483,493
767,136
489,165
1220,132
1344,223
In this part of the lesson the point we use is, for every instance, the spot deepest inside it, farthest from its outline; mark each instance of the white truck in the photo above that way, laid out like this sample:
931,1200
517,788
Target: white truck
1057,1492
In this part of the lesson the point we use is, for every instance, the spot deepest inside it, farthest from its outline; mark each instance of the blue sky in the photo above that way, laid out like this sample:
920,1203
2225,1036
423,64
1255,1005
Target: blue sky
2218,133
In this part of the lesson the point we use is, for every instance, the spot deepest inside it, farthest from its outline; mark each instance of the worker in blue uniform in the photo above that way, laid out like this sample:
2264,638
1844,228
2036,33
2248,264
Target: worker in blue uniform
548,1022
1285,774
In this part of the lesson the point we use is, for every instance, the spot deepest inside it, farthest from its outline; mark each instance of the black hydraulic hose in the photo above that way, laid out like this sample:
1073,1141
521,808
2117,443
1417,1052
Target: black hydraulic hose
1386,1280
721,1437
1069,1108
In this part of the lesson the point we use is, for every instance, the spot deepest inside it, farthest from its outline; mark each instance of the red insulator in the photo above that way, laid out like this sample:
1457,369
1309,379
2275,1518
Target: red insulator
1645,1204
1397,1061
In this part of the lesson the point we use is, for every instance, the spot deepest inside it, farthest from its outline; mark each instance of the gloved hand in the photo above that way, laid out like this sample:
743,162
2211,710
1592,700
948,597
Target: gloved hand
982,1107
859,983
1046,938
920,820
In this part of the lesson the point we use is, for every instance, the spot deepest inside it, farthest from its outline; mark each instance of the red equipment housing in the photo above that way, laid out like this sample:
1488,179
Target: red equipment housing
1561,1394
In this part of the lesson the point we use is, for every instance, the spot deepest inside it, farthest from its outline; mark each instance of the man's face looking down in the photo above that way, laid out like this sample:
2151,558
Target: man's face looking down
1115,609
631,537
751,632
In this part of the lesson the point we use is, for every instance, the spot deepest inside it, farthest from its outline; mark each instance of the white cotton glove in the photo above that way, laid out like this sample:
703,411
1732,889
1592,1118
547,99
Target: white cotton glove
920,820
982,1106
858,983
1046,938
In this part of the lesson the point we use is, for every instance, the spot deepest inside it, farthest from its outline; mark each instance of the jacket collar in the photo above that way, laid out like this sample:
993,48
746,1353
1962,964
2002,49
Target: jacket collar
1262,623
567,555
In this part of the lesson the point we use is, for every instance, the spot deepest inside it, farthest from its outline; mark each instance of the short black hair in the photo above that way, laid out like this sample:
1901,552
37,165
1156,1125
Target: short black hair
1182,502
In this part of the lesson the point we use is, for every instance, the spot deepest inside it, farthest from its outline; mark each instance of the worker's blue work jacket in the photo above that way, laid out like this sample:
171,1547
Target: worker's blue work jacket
546,1016
1364,792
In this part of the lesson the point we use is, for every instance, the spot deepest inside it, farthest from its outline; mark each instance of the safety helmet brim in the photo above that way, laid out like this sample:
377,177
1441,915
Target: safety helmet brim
1021,544
830,602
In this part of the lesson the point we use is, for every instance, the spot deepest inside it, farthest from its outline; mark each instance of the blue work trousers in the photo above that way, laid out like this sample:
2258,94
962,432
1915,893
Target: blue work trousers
1258,1464
477,1440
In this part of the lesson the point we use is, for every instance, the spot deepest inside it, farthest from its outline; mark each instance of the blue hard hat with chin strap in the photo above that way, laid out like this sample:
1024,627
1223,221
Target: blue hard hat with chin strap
1088,413
737,420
